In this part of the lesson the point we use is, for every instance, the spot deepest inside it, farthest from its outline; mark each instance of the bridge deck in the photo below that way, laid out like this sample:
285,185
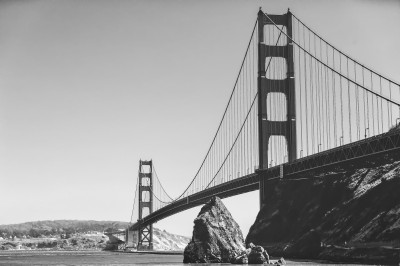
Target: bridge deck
371,146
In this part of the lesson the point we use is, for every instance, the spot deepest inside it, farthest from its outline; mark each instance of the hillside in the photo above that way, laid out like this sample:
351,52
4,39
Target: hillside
75,235
46,228
167,241
349,212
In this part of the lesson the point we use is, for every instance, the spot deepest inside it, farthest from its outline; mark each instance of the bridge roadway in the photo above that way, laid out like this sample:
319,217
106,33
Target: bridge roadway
382,143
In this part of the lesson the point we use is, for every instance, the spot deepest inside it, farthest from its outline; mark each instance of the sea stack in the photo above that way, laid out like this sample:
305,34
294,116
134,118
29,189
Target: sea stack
216,238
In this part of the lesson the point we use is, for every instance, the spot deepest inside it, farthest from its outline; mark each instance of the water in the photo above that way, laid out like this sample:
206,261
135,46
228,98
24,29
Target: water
100,258
86,258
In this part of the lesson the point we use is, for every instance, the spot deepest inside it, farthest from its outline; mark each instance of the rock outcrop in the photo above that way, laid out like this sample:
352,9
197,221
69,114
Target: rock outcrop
163,240
347,212
253,255
217,238
257,255
242,259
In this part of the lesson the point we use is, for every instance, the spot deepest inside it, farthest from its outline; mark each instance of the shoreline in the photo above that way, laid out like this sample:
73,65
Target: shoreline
159,254
155,252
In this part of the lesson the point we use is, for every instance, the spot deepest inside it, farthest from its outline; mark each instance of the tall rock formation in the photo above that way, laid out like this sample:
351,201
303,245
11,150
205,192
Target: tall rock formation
349,212
216,236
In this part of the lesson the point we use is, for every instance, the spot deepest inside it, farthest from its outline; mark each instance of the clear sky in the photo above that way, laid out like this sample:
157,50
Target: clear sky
87,88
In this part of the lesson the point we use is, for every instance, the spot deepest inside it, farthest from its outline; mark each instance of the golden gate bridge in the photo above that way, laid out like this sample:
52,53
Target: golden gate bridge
298,103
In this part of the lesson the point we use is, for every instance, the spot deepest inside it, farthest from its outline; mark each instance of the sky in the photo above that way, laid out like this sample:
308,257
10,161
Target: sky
88,88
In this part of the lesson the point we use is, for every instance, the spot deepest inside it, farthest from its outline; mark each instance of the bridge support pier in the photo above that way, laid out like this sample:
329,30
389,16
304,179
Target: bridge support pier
265,86
145,233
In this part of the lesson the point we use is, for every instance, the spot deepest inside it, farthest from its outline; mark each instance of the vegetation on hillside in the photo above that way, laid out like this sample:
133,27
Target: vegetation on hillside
58,227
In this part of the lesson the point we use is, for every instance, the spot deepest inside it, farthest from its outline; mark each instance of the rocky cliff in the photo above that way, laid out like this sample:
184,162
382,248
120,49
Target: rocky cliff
216,236
349,212
164,240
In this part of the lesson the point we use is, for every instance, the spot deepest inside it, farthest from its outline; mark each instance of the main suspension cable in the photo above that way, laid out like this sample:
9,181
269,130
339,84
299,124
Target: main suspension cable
340,74
344,54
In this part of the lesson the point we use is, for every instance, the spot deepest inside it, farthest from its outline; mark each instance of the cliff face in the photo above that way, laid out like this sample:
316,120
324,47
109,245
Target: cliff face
166,241
348,212
216,236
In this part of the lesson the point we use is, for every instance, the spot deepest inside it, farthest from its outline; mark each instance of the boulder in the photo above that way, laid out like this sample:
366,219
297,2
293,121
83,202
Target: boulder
257,255
281,261
216,238
112,243
242,259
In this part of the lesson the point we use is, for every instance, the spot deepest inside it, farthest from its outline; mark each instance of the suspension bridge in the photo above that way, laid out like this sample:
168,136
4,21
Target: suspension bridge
298,103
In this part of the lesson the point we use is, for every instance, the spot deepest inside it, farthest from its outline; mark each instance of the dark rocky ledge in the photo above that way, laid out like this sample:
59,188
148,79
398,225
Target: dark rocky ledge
346,213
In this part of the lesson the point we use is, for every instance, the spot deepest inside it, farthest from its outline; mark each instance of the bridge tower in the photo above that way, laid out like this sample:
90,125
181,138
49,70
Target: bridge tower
145,233
268,128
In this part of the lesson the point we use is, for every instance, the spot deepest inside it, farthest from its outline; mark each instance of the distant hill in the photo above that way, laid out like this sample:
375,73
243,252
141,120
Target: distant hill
35,229
76,235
